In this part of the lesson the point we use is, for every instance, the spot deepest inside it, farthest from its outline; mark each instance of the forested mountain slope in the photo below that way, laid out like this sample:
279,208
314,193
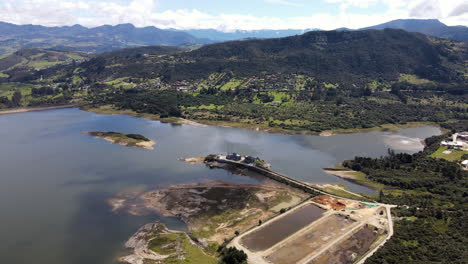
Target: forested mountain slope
332,56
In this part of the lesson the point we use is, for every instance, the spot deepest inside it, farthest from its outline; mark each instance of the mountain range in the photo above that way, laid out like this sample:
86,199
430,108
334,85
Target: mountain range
106,38
431,27
217,35
98,39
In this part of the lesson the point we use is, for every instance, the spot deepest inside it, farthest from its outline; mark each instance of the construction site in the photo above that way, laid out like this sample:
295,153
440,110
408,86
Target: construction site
324,229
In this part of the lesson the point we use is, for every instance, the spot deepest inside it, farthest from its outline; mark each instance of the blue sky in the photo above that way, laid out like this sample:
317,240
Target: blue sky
230,15
276,8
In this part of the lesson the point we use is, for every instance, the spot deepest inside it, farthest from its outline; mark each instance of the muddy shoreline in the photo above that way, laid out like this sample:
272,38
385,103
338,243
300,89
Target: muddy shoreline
347,175
33,109
271,130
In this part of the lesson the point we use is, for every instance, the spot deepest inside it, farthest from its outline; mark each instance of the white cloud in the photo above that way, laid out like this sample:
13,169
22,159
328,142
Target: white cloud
345,4
461,9
283,2
429,8
144,13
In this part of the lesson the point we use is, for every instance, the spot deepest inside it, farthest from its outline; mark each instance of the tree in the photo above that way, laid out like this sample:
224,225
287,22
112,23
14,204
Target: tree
16,99
233,256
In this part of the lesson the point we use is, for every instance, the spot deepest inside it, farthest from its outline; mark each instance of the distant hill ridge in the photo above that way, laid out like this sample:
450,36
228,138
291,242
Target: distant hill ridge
98,39
431,27
332,56
106,38
217,35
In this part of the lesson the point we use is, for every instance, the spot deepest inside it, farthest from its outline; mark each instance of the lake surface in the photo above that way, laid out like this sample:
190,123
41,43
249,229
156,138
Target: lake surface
55,181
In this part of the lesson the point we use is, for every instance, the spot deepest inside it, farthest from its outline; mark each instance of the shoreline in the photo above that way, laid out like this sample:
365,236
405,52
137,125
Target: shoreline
182,121
152,117
354,177
272,130
33,109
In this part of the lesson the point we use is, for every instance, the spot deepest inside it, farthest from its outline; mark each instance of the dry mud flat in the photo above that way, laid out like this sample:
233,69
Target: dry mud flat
310,240
350,249
213,210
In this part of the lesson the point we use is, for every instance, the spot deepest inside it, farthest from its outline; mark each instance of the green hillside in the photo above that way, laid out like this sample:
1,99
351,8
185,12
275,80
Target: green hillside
314,82
27,61
332,56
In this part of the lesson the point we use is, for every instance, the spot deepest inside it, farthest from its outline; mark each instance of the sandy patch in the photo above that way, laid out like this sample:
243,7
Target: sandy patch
347,174
190,122
146,144
194,160
326,133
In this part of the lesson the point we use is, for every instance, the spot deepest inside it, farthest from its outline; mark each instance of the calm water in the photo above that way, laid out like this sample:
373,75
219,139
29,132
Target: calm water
54,181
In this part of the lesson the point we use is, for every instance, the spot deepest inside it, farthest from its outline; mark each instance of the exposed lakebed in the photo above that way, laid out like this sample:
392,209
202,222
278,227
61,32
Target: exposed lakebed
55,181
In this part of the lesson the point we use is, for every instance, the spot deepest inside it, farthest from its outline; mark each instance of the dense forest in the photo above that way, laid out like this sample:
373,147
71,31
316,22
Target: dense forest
431,220
304,114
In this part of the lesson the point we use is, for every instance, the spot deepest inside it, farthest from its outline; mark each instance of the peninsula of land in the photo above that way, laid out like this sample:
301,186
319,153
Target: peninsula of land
259,219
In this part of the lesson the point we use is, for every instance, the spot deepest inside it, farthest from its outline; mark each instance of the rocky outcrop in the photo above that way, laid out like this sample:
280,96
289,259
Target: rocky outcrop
139,243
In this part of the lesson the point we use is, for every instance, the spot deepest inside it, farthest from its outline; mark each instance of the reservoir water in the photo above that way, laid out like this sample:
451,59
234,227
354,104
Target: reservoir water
54,180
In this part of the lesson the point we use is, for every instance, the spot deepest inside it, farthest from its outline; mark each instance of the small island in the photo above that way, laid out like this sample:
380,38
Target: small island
129,140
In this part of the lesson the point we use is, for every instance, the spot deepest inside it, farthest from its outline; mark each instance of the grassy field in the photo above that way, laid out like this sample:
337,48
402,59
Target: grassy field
339,190
361,178
39,65
232,84
121,82
8,89
330,85
184,251
384,127
206,107
279,96
455,155
413,79
354,176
